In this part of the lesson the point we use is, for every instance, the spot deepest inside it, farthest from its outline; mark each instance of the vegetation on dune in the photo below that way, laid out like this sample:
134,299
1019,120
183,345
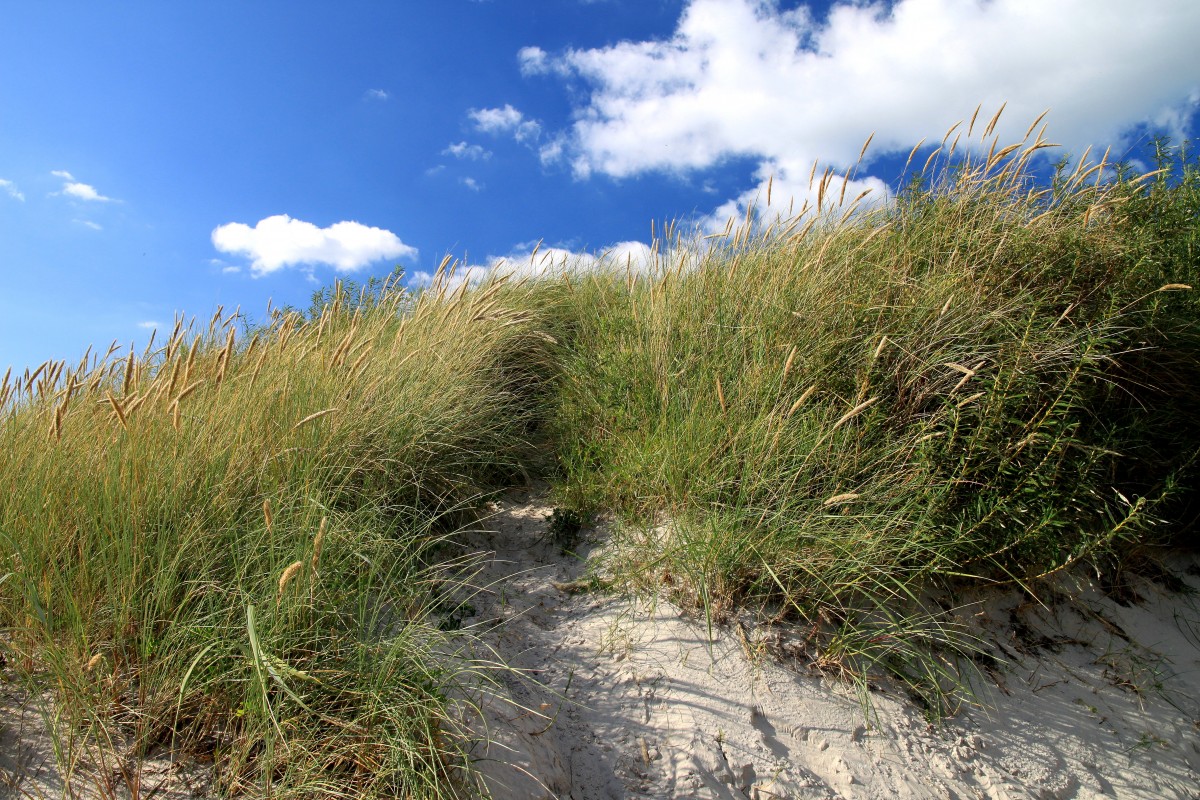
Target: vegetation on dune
236,547
233,549
985,379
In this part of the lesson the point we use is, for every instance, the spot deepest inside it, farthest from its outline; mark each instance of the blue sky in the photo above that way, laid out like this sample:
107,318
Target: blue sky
159,157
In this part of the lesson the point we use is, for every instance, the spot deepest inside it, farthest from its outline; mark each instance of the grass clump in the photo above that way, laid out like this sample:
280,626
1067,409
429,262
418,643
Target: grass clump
232,548
982,378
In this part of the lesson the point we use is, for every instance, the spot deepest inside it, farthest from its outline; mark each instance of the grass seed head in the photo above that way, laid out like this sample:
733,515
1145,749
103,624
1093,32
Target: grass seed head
315,416
787,366
118,410
318,543
288,574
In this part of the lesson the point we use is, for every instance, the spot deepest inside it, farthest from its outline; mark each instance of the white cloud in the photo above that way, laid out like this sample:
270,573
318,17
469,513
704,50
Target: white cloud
553,150
531,261
83,191
742,77
471,274
77,190
472,152
376,94
280,241
11,190
471,184
225,267
150,325
495,120
523,262
506,120
787,188
745,78
635,256
535,61
87,223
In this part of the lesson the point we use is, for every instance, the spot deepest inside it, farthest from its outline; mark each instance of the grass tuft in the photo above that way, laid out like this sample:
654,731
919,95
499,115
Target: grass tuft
154,547
985,379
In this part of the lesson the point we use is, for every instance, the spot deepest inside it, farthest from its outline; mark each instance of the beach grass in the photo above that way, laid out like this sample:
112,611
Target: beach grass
985,378
235,547
238,545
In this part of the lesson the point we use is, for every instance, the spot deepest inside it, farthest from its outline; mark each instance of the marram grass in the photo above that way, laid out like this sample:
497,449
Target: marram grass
237,546
232,548
982,379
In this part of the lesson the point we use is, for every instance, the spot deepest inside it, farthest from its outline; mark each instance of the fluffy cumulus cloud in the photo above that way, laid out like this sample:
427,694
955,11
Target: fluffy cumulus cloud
786,188
748,78
506,120
11,190
742,77
280,241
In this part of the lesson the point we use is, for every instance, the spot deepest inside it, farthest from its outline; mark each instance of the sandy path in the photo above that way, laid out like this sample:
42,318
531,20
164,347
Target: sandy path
627,702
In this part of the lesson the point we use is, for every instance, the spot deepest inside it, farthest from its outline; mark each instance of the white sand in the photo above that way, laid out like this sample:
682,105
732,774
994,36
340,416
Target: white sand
30,768
625,702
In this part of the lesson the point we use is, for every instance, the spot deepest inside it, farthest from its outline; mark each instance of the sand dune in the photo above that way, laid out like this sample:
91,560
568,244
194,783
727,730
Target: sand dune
1087,697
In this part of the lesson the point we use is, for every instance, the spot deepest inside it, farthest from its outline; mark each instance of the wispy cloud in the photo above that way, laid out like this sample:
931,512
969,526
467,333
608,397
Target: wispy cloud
472,184
506,120
376,94
87,223
536,61
11,190
280,241
471,152
78,190
150,325
224,266
553,150
84,191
